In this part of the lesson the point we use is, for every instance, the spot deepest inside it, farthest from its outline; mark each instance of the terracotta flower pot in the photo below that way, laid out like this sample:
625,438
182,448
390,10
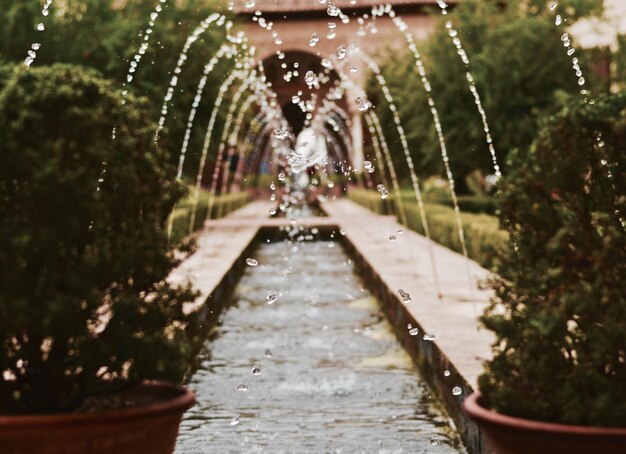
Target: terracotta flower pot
147,429
510,435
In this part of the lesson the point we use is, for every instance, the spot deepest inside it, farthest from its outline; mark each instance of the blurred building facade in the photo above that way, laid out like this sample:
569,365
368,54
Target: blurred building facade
305,33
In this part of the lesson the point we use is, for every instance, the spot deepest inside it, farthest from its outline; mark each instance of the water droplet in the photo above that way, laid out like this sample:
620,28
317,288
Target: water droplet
413,331
362,104
256,370
41,27
428,337
311,79
446,373
234,421
252,262
314,39
383,191
392,237
268,353
457,391
271,298
434,440
341,52
242,387
281,134
406,297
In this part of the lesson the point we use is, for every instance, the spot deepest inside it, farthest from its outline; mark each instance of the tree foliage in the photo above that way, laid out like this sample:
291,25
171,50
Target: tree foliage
83,302
106,34
620,62
560,312
521,72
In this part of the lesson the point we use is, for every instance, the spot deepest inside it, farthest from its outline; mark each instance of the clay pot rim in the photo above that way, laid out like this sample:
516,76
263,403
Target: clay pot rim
478,413
172,400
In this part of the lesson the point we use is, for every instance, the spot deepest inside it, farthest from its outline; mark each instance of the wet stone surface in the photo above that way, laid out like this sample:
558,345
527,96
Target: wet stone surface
318,370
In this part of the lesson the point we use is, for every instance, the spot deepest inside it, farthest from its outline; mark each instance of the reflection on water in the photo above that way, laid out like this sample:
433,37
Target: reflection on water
333,378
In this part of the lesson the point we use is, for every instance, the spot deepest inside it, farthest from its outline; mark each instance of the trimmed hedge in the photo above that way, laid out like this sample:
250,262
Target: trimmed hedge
471,204
482,233
223,205
260,181
372,201
478,204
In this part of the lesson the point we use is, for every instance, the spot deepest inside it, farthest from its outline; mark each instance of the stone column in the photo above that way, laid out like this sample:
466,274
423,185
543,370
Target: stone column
236,184
357,141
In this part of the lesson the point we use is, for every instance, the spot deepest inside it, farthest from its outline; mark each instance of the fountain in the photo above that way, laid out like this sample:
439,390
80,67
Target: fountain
303,343
330,373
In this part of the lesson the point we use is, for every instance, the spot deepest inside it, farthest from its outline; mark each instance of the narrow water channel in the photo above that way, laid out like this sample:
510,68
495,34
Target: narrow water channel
317,371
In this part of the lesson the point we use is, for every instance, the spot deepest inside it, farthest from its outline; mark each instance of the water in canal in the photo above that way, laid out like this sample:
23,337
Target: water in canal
316,371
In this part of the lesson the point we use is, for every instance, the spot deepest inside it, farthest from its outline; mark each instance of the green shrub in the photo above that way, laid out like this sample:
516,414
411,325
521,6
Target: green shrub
469,203
5,73
477,204
260,181
482,233
83,303
560,312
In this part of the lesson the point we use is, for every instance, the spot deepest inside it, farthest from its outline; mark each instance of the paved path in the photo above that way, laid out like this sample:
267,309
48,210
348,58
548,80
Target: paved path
219,246
403,263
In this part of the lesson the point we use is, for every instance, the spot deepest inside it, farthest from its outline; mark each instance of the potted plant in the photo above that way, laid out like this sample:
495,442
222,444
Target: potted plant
557,381
86,317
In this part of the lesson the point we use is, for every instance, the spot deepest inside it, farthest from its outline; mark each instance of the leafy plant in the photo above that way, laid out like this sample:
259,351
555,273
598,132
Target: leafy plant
84,307
106,34
520,69
560,312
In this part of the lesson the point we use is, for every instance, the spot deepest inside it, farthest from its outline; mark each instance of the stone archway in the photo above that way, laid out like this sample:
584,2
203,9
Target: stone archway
286,71
293,24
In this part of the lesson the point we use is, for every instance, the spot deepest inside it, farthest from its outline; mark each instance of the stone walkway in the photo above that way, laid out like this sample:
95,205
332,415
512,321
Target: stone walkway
219,247
403,263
